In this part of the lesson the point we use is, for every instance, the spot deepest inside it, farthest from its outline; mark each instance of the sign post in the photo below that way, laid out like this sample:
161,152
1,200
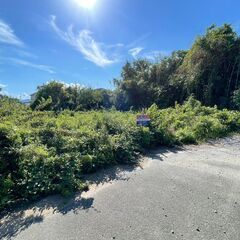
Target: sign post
143,120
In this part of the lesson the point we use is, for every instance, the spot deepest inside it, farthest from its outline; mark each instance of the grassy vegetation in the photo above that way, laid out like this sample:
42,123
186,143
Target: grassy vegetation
47,152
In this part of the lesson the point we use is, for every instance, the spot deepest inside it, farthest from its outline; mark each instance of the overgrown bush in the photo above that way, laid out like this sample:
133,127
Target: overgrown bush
47,152
191,123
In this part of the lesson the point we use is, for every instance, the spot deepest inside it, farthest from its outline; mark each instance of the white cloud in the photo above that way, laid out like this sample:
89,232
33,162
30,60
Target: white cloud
2,85
8,36
138,41
118,45
139,52
78,85
3,89
155,55
40,67
23,96
135,51
24,54
85,44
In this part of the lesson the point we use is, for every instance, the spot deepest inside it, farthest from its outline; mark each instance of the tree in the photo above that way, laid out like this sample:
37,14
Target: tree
143,83
209,71
134,85
170,88
54,90
211,67
236,98
57,96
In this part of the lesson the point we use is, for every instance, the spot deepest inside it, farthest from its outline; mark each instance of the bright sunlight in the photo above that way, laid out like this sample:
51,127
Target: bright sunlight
87,4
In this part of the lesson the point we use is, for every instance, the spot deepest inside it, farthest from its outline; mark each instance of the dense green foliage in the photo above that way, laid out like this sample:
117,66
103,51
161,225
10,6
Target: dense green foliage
209,71
47,152
236,98
143,83
47,148
58,96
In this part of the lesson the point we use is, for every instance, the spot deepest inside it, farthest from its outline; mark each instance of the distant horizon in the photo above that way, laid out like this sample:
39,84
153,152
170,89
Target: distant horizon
87,43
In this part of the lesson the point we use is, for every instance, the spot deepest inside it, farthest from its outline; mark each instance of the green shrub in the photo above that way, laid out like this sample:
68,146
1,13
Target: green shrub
87,164
6,187
36,171
47,152
186,136
10,142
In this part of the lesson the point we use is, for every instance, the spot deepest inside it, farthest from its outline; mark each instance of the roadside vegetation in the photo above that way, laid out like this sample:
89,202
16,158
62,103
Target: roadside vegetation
48,152
69,130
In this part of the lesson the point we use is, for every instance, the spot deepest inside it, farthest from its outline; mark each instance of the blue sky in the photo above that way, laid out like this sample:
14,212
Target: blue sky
63,40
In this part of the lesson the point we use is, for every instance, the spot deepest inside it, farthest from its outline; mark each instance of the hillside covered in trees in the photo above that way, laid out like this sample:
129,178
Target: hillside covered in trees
209,71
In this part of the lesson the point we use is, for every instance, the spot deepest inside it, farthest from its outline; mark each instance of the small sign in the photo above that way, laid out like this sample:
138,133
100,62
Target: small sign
143,120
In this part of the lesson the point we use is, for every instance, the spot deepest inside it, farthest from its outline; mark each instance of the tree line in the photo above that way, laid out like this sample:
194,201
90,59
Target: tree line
209,71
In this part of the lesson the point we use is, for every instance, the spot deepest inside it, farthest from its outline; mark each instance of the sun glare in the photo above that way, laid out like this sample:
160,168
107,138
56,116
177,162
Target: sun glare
87,4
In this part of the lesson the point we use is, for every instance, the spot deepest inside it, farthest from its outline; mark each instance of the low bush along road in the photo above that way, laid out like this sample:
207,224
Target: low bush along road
190,193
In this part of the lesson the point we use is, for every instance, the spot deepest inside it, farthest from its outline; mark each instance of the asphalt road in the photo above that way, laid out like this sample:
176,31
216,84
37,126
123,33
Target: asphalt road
192,193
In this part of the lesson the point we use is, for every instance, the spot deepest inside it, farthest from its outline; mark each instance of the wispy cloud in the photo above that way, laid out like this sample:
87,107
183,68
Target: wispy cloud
78,85
135,52
8,36
155,55
3,89
17,52
139,40
26,54
118,45
2,85
85,44
40,67
139,52
23,96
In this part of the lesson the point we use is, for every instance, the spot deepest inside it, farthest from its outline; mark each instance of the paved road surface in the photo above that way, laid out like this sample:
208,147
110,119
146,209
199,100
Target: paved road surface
187,194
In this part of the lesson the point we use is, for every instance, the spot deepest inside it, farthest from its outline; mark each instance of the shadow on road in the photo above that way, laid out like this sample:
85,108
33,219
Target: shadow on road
18,220
17,223
161,153
14,222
